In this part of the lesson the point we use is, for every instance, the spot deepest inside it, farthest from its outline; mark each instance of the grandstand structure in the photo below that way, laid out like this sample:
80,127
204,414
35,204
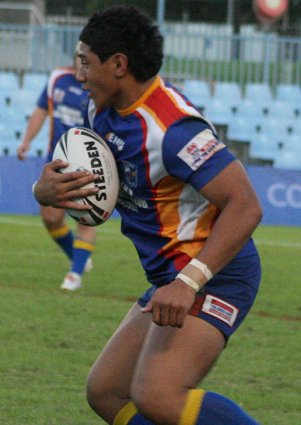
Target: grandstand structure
254,98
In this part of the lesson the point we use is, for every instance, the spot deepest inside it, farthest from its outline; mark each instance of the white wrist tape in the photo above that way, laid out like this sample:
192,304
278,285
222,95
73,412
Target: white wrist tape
190,282
202,266
33,187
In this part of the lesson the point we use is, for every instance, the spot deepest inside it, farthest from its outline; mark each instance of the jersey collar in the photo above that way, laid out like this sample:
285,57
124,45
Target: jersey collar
141,100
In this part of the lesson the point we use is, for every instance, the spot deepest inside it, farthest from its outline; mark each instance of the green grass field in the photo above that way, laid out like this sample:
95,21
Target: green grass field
49,339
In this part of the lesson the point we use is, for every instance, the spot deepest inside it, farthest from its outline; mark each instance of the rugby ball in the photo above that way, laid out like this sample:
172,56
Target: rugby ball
83,149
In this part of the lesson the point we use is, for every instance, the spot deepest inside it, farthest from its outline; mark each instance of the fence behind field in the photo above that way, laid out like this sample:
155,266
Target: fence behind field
211,53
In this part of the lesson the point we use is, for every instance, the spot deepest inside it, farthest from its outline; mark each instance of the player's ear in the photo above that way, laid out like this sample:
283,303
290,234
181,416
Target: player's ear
120,62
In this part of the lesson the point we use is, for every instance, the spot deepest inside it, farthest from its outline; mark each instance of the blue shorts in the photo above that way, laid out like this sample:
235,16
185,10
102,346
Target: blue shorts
227,298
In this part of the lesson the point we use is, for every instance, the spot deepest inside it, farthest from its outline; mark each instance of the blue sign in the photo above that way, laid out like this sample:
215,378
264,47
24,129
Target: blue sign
279,192
16,180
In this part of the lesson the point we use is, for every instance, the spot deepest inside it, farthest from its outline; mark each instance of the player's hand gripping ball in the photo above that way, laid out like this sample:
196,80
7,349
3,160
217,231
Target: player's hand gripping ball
85,150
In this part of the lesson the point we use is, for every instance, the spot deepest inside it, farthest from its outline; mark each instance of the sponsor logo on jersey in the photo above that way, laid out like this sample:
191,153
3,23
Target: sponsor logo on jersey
129,200
58,95
220,309
76,90
115,140
68,116
199,149
130,173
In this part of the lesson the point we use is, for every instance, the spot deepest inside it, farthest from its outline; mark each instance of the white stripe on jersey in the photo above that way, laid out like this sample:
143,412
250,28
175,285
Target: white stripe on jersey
189,212
154,139
53,77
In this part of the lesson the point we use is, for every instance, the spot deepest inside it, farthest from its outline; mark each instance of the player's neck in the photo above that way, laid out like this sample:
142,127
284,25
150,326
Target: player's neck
132,91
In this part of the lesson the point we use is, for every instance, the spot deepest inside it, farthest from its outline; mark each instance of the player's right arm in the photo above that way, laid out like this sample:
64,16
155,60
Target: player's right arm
34,125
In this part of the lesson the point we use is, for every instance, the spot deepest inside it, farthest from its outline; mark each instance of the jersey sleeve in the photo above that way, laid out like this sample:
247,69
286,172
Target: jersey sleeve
43,99
193,152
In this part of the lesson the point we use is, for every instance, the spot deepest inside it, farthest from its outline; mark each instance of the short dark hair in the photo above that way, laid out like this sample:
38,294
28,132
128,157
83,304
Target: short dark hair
121,29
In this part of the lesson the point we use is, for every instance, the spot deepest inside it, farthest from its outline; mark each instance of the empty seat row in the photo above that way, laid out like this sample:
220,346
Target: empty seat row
30,81
200,92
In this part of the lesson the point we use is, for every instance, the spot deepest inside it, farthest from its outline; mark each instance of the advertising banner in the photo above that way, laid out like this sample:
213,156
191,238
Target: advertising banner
279,191
280,194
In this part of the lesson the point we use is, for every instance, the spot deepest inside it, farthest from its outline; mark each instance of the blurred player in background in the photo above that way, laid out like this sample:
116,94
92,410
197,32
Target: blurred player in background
189,208
64,101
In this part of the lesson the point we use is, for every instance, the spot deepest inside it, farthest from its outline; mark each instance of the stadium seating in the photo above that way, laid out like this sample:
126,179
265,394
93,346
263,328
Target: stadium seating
9,80
288,160
219,112
265,145
34,81
258,92
288,93
228,92
242,130
197,91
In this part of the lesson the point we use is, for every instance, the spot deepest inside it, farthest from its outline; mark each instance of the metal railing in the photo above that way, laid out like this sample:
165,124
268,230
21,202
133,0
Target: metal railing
190,53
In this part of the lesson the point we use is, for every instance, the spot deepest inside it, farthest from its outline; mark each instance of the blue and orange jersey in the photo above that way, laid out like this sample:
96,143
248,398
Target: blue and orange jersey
166,151
66,101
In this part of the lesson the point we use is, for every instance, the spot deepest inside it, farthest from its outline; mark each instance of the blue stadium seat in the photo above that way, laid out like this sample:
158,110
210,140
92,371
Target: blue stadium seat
227,91
282,110
39,146
197,91
34,81
288,93
8,94
219,112
259,92
264,146
9,80
288,160
25,97
242,130
8,140
251,109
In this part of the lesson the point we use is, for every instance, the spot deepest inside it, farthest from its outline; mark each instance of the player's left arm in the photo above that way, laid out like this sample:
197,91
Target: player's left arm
230,190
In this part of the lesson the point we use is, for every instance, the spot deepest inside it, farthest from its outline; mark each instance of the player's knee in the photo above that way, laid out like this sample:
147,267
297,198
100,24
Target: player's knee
96,396
153,404
51,222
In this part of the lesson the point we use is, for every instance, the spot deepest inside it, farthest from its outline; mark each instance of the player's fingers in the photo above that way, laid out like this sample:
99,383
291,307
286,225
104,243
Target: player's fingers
148,308
70,194
57,164
165,315
180,319
69,184
74,206
173,317
156,314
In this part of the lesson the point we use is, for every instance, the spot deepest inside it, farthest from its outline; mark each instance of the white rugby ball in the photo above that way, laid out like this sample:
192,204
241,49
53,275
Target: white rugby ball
83,149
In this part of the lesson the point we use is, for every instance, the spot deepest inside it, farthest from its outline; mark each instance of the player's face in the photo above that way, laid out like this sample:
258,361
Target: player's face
98,77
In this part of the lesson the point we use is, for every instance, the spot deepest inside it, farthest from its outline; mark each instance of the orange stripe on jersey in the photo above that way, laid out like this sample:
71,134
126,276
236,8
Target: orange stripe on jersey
168,197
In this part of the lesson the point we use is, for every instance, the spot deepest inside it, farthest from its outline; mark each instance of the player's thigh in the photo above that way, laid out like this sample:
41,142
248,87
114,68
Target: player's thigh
173,359
53,218
86,233
112,372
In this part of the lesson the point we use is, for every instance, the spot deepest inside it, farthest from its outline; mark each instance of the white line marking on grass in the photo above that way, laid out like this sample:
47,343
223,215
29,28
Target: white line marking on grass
23,222
19,221
282,244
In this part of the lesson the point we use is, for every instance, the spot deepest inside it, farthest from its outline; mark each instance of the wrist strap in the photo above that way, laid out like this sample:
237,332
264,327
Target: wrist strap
190,282
203,267
33,188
